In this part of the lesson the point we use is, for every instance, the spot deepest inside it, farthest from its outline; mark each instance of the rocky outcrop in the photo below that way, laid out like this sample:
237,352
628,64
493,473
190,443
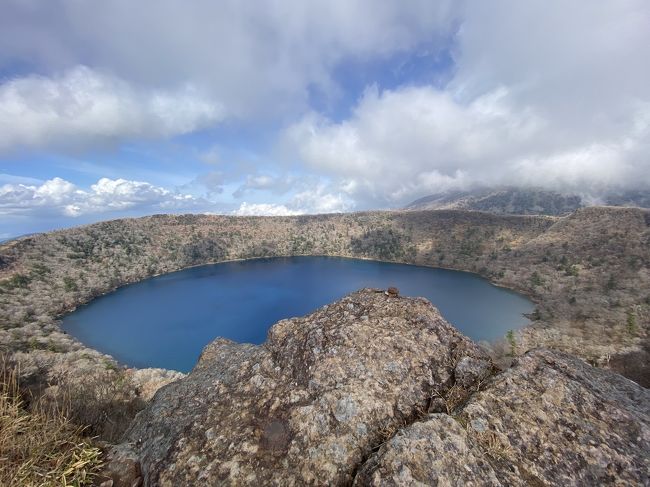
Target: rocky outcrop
148,381
549,420
310,404
379,390
435,451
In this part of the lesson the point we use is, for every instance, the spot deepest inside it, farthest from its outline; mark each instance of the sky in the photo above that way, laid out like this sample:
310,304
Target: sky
278,107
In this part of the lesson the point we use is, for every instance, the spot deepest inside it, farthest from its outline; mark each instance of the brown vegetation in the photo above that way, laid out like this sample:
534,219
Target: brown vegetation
40,446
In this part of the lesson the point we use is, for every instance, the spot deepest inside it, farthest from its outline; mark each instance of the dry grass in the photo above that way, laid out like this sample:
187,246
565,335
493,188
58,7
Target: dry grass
493,443
103,401
455,396
40,447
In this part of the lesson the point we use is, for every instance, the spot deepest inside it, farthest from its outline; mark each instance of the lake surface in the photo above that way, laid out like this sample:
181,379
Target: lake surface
166,321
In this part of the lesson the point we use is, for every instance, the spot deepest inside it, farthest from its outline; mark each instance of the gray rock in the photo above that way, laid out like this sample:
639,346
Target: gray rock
148,381
550,420
122,468
283,414
333,399
345,409
436,451
470,370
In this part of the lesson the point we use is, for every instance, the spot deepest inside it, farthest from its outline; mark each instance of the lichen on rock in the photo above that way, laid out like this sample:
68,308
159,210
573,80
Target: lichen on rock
310,404
549,420
379,390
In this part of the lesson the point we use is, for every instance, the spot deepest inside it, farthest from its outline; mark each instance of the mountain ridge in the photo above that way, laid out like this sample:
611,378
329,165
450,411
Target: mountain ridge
526,201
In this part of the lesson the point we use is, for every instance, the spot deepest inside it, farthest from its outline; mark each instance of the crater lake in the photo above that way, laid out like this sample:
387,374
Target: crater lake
165,321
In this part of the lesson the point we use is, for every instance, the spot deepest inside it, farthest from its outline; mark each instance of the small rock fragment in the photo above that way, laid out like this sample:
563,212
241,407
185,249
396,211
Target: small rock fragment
122,467
470,371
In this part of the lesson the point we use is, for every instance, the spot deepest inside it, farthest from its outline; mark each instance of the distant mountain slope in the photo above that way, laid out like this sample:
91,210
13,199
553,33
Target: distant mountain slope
629,198
520,201
9,239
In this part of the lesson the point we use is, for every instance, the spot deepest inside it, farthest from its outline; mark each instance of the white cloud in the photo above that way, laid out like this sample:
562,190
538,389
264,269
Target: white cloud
321,199
544,93
58,197
412,140
259,58
316,200
83,105
540,92
577,59
264,209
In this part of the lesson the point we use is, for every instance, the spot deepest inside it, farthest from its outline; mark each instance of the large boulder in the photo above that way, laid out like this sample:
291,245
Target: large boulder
434,451
379,390
310,404
549,420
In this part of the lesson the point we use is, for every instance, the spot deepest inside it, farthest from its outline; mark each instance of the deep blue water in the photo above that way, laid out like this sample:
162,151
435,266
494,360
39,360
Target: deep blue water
166,321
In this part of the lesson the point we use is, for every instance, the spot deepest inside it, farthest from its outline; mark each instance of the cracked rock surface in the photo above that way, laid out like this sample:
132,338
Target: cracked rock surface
377,389
310,404
549,420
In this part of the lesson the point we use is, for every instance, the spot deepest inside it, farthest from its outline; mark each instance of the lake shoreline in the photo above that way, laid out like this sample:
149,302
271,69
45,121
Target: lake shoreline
96,323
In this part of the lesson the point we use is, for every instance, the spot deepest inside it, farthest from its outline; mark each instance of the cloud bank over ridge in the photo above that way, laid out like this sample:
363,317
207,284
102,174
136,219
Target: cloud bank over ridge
543,94
287,107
